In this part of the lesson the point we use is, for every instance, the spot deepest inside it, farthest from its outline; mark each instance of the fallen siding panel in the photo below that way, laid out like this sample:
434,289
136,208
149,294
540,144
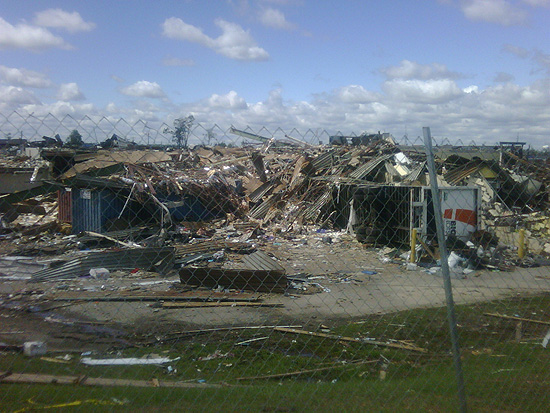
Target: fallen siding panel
259,260
268,281
159,259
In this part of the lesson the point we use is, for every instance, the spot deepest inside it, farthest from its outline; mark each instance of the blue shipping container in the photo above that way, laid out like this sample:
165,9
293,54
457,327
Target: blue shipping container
93,208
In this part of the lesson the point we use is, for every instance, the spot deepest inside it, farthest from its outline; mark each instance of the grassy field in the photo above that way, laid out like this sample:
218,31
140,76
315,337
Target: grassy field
501,372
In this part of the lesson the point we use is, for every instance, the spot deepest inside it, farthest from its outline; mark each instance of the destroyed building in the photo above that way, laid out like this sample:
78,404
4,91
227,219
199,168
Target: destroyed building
369,186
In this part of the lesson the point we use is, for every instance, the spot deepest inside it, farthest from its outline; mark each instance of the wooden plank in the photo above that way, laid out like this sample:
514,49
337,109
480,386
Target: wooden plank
32,378
353,340
152,296
299,373
219,304
509,317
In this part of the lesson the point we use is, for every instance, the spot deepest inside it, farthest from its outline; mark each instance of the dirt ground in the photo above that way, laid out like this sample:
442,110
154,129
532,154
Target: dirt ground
346,281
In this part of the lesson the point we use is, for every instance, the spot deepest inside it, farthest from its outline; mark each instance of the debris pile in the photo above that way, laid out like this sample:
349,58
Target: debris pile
207,213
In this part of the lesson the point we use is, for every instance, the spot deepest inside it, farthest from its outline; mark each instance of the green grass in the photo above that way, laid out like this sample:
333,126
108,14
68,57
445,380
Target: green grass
501,374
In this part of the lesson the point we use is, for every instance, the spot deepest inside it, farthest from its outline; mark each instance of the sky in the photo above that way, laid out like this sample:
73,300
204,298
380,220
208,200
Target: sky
474,71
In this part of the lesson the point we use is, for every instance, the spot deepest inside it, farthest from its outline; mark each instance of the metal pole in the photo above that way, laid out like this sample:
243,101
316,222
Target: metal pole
445,268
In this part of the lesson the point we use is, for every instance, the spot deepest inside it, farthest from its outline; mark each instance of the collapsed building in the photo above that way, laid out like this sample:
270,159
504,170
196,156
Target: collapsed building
164,210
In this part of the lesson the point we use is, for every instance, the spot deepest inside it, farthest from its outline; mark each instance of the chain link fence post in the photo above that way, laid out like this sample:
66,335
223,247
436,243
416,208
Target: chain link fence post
441,239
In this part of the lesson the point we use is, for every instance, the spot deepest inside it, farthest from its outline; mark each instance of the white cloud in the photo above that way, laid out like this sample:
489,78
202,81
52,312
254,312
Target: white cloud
417,91
145,89
174,61
473,113
23,77
230,100
60,109
24,36
413,70
60,19
16,96
234,42
494,11
355,94
70,92
276,19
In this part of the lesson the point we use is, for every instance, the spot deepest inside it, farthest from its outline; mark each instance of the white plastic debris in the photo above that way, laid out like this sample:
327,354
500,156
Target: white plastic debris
129,361
99,273
34,348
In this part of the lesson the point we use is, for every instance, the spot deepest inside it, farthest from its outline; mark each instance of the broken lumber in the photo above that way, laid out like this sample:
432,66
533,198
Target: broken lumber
410,347
32,378
301,372
509,317
218,304
84,296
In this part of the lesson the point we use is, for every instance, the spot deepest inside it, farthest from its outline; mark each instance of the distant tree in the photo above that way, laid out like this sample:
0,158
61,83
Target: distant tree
181,131
210,136
75,139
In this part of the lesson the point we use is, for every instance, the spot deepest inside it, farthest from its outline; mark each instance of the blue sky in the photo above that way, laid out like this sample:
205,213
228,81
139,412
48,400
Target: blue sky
473,70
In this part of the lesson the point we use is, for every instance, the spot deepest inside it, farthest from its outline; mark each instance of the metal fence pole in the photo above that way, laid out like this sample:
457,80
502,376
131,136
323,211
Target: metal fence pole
445,268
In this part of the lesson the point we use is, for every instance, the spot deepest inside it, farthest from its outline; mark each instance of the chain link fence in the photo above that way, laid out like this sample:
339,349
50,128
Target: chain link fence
178,266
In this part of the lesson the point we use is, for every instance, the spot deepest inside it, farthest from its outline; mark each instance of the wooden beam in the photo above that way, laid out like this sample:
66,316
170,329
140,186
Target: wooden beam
526,320
218,304
410,347
299,373
32,378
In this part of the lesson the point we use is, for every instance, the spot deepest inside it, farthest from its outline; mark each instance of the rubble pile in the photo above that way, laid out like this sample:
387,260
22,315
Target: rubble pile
209,212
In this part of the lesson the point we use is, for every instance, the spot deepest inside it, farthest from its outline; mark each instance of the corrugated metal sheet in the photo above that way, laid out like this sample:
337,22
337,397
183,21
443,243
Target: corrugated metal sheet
159,259
259,260
93,208
312,212
210,246
260,211
456,175
64,206
362,171
261,191
416,172
323,161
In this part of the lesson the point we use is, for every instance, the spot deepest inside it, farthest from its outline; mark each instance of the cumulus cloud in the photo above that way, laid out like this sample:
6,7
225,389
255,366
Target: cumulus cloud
144,89
24,36
174,61
500,12
412,70
23,77
60,19
417,91
356,94
275,19
234,42
230,100
15,96
70,92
